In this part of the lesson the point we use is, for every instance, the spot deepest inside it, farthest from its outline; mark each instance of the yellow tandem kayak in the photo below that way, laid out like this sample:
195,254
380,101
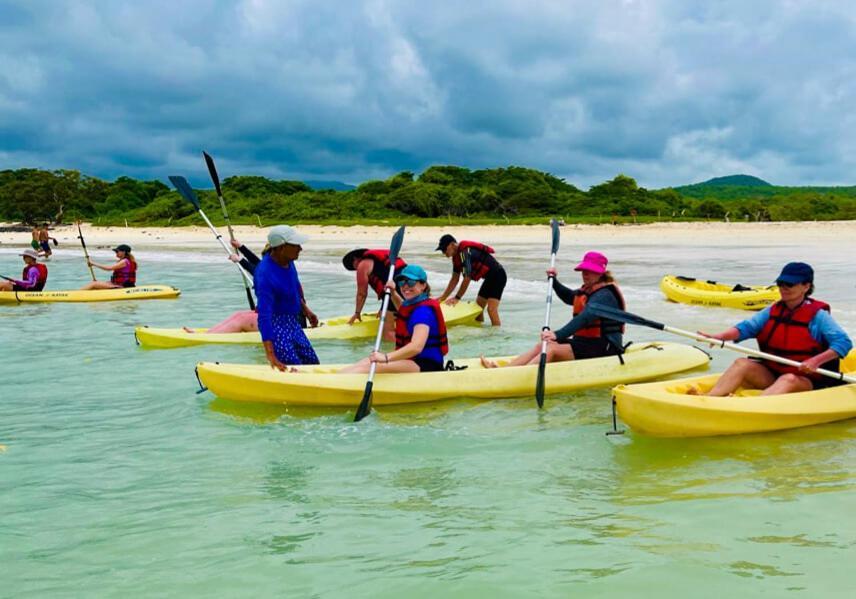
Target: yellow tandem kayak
665,409
324,386
142,292
686,290
332,328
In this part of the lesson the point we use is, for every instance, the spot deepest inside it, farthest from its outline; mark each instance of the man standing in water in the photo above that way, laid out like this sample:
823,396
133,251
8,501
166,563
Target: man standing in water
475,260
44,241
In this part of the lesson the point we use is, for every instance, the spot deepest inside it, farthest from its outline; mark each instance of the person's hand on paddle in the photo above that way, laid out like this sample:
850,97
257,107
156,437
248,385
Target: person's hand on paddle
379,357
355,317
235,258
236,244
551,272
548,336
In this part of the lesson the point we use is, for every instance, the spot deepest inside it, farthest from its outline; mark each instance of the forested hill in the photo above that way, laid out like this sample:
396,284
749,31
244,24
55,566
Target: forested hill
447,194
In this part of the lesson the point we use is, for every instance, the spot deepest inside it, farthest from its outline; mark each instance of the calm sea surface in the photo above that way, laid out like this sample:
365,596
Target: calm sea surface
118,478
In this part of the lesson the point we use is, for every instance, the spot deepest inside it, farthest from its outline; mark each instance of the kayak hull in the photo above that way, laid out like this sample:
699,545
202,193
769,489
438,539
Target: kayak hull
332,328
142,292
324,386
664,409
686,290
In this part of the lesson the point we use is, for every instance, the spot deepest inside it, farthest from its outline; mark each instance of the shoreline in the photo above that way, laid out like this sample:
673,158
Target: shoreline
746,234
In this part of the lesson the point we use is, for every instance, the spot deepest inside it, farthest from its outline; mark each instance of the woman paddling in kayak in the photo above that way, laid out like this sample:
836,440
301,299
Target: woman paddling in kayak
247,321
278,291
797,327
585,335
124,270
420,330
33,278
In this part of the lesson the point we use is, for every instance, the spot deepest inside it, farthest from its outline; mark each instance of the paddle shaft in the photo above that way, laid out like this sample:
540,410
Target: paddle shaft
540,382
219,237
85,252
212,170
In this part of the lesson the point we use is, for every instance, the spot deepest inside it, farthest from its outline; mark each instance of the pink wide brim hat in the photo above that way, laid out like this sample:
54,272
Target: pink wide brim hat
593,262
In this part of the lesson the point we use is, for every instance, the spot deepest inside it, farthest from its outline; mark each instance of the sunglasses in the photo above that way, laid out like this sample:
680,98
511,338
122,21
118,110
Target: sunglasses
787,285
408,282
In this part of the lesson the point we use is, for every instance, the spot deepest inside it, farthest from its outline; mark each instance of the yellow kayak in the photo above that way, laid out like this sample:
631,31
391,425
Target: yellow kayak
142,292
664,409
686,290
325,386
332,328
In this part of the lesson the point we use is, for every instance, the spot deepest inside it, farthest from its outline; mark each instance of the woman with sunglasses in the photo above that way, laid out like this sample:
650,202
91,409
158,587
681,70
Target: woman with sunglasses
420,330
797,327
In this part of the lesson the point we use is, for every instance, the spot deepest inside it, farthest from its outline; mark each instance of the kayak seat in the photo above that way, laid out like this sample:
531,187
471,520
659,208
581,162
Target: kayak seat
740,287
450,365
712,283
682,278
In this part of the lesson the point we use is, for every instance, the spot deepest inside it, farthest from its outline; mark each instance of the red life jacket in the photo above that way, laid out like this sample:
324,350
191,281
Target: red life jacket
380,270
42,278
599,327
479,267
435,339
786,334
125,276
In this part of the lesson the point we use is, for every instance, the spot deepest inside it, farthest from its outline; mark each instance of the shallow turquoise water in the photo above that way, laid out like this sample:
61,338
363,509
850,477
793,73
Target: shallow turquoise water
119,478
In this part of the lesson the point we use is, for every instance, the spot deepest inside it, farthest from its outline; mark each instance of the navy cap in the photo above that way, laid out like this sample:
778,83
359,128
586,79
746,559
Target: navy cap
122,247
795,273
348,259
445,240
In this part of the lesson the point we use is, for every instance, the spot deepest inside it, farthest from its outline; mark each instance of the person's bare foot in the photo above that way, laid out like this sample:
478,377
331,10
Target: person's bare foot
188,330
487,363
693,390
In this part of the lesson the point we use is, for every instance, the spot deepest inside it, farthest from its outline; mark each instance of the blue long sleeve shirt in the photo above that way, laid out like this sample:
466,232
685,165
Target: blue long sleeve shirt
822,328
277,291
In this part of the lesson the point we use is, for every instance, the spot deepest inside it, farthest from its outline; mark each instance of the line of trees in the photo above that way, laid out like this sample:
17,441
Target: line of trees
441,192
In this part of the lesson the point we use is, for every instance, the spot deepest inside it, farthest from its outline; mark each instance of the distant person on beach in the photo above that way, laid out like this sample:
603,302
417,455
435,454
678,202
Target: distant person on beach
372,271
476,262
37,230
586,335
279,308
247,321
33,278
420,329
124,271
44,241
797,327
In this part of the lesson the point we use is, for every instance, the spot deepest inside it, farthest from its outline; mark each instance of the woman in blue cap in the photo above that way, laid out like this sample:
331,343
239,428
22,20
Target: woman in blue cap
279,302
420,330
797,327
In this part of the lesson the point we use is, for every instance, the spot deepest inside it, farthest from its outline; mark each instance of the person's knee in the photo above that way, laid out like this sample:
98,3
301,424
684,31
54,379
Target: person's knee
790,380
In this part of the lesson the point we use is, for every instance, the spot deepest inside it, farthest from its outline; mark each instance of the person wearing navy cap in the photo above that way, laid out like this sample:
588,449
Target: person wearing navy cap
420,330
123,272
475,262
797,327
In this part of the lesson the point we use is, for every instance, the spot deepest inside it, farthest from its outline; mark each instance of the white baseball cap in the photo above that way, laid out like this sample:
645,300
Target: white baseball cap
282,234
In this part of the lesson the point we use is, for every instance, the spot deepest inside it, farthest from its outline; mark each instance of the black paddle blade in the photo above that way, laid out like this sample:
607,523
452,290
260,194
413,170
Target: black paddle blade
554,224
366,404
395,245
622,316
185,190
212,170
539,384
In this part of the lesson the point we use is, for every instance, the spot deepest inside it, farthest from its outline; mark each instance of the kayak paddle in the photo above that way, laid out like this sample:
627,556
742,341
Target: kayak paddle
7,278
394,247
627,317
542,363
188,194
212,170
85,252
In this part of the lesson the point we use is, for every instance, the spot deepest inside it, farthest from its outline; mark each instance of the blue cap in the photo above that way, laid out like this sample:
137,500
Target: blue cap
412,272
795,273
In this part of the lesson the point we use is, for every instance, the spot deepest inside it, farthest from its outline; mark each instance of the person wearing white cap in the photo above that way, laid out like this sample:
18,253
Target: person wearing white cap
279,306
34,277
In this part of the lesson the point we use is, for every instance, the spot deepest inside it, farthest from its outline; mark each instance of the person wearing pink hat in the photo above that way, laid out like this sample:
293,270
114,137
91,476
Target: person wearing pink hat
586,335
34,277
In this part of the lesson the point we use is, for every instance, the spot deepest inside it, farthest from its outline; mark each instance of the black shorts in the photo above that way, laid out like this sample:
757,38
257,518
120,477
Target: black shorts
591,347
426,365
822,382
494,284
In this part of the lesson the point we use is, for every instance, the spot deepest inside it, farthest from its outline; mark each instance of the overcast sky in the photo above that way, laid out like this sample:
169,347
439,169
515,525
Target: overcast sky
667,92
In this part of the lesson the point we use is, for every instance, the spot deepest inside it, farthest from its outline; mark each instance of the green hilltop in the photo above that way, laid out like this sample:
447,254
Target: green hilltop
441,194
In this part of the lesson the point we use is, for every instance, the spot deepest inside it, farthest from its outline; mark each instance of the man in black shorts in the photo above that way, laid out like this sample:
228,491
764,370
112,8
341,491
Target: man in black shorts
476,262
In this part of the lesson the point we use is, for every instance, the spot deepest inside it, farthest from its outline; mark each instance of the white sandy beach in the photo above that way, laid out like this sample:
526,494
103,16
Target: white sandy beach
834,233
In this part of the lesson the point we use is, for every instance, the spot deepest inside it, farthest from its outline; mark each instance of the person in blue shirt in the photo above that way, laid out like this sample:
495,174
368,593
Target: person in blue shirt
420,330
797,327
279,303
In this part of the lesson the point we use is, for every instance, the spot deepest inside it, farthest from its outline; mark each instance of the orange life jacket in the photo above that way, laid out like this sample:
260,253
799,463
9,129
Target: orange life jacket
479,263
786,334
380,269
436,338
599,327
42,278
125,276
